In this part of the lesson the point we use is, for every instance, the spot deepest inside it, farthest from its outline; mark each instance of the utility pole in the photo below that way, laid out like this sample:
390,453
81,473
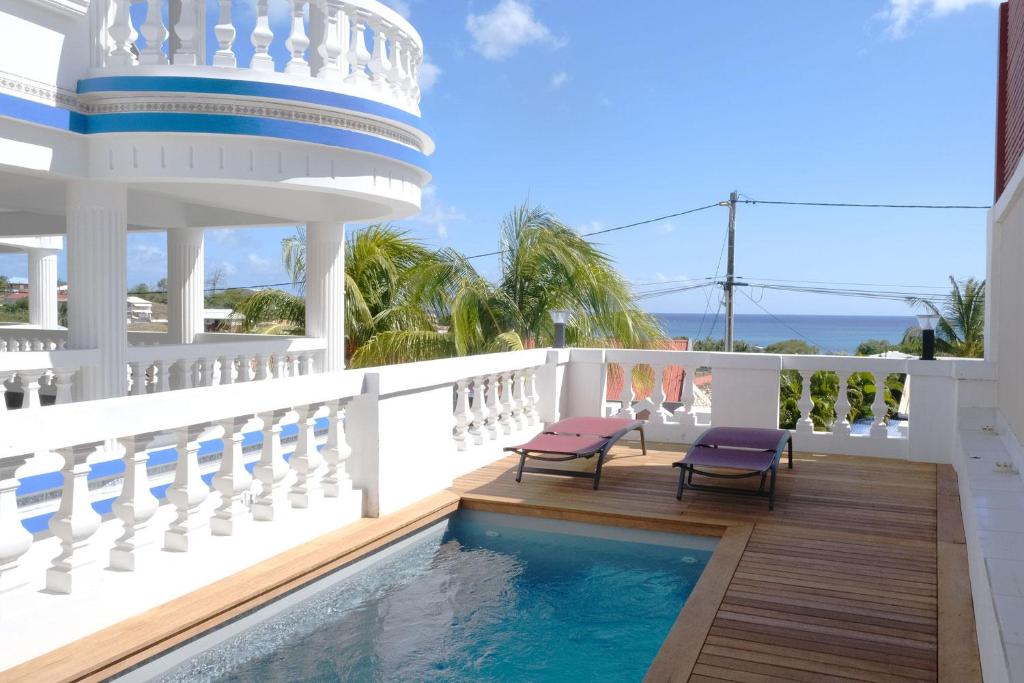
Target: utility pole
730,273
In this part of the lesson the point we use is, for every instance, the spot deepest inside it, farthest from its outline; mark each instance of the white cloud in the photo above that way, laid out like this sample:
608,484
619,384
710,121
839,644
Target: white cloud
428,75
258,262
436,214
508,27
558,80
148,252
900,13
667,227
400,6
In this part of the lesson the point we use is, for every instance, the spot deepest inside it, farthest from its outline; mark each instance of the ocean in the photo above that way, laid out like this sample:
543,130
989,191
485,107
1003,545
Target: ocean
830,333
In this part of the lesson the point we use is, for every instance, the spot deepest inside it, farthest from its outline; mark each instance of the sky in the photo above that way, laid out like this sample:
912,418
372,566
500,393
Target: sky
608,117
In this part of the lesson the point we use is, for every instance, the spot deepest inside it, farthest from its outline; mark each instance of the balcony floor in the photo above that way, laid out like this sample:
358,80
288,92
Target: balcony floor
860,573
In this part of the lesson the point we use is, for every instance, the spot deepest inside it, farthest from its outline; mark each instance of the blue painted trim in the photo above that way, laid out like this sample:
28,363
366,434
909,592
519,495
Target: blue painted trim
250,125
226,86
41,114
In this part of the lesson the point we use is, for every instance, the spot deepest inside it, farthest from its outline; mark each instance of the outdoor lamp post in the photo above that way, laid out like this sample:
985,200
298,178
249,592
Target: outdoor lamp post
560,318
927,322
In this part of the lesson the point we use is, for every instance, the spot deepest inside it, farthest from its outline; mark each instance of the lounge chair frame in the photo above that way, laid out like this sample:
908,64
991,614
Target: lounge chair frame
687,470
525,453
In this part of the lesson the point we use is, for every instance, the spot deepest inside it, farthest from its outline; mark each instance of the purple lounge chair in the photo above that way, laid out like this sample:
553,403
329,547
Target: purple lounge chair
576,437
753,452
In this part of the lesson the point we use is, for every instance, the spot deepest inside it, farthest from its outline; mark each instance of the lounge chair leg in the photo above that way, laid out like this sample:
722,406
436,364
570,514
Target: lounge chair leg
597,471
519,470
771,491
682,483
643,441
764,475
791,452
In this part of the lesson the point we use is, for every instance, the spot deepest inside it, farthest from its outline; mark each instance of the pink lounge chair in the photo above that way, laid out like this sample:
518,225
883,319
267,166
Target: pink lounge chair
576,437
752,452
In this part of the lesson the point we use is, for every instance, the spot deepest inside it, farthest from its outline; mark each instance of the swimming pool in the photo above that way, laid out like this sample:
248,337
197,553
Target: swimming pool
478,596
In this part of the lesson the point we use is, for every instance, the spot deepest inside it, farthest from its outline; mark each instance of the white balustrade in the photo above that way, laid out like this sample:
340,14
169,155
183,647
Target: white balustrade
232,479
15,540
272,467
306,461
337,451
461,413
136,504
336,51
495,404
75,522
476,428
187,491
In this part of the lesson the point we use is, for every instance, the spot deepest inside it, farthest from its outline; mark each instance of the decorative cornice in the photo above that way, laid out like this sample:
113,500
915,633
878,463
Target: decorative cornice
186,103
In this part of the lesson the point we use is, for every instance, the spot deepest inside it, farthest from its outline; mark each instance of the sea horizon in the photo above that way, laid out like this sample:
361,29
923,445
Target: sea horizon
829,333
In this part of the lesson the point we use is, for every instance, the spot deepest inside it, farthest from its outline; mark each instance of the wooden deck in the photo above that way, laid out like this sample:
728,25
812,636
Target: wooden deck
860,573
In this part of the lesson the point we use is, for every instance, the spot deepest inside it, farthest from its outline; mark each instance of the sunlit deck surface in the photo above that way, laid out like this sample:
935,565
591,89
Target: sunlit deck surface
860,572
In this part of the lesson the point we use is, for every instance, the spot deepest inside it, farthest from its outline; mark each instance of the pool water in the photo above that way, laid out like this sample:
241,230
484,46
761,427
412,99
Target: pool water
476,597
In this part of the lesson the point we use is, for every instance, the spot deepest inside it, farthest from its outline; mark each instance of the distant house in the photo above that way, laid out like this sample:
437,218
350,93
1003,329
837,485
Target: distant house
139,310
222,320
17,284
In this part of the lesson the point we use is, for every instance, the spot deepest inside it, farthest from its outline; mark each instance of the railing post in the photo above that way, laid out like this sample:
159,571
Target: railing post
396,75
842,426
379,65
15,540
333,66
30,389
476,427
336,452
272,468
155,33
493,407
231,480
162,380
805,425
506,402
136,504
519,399
659,415
532,397
75,520
358,56
627,396
121,31
227,370
62,378
306,459
880,409
187,491
138,378
185,31
297,41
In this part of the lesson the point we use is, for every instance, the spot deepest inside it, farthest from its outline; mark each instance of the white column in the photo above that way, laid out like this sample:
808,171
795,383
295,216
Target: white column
325,291
42,288
97,227
185,280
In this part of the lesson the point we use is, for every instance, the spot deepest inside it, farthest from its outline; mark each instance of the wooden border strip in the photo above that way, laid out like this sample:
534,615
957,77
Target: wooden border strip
679,652
119,647
958,654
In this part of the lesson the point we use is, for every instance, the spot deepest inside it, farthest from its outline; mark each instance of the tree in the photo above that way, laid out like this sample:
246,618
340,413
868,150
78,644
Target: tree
961,328
709,344
5,284
140,290
545,266
215,278
792,346
872,347
161,285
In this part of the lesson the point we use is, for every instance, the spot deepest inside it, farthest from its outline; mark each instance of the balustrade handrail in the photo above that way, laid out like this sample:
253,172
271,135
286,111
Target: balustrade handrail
36,360
434,373
63,426
259,345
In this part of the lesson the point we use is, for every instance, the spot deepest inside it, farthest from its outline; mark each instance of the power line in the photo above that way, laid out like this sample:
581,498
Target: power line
621,227
867,206
830,282
782,322
707,294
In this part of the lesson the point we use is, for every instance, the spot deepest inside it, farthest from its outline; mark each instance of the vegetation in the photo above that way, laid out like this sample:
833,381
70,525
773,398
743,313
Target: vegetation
961,328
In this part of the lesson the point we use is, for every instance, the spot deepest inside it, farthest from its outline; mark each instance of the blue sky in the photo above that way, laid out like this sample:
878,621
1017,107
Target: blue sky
607,117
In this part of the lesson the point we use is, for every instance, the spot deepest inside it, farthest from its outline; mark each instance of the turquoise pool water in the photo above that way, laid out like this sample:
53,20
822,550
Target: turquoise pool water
478,597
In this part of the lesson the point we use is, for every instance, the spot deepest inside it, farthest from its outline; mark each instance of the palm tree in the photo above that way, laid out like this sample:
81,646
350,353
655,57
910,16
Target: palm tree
545,266
385,286
961,328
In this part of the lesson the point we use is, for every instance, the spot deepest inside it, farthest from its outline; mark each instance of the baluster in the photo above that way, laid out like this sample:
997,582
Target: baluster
332,49
30,389
261,367
306,460
658,414
187,492
533,396
461,413
161,381
414,75
358,56
627,395
37,345
4,378
379,64
879,429
63,378
185,30
493,407
244,369
476,427
336,452
179,375
15,540
396,75
272,468
136,504
207,365
296,365
308,366
155,33
506,403
138,378
297,41
278,366
842,423
75,520
231,480
225,32
3,345
121,31
805,425
227,369
261,39
519,399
